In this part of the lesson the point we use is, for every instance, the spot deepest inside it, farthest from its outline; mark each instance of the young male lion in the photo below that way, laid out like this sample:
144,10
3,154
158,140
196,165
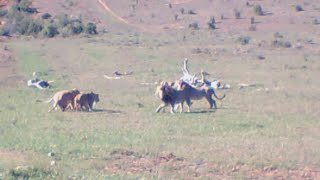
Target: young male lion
63,99
85,100
170,96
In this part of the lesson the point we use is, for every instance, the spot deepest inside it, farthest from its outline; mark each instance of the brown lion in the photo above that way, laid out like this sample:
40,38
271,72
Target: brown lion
199,93
85,100
184,93
170,96
64,99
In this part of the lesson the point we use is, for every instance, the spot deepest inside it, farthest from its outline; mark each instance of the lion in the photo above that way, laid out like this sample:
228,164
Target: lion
199,93
85,100
64,99
184,93
170,96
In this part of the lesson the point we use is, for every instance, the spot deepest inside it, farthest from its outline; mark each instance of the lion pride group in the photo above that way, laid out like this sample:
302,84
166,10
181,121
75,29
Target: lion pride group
173,94
73,99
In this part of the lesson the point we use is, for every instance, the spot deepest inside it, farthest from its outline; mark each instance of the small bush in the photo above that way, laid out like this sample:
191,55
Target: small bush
279,43
63,20
236,13
315,22
176,17
35,27
299,8
252,20
3,12
46,16
24,6
244,40
258,10
77,28
194,25
30,173
91,28
277,35
182,10
5,30
50,31
22,26
212,23
191,12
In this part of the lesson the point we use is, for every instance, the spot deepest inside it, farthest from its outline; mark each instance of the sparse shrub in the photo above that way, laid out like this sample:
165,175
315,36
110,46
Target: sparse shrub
3,12
50,31
176,17
35,27
252,20
20,21
299,8
23,25
30,173
277,35
212,23
46,16
182,10
77,28
63,20
191,12
5,30
66,32
194,25
24,6
258,10
236,13
315,22
244,40
91,28
279,43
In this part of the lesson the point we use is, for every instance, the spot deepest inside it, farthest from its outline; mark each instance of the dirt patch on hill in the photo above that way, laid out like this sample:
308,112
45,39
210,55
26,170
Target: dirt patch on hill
166,164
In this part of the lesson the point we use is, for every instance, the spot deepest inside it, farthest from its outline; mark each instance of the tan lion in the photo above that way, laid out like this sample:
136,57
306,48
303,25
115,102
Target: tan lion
85,100
64,99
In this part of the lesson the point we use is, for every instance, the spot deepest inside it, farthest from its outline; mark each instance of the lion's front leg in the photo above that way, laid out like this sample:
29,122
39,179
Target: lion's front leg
181,107
172,108
188,101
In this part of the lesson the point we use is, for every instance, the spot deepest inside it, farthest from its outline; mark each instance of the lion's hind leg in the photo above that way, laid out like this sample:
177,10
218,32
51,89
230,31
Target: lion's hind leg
55,104
161,106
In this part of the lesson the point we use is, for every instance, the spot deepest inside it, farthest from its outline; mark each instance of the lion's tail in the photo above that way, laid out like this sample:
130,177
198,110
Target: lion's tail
219,98
49,101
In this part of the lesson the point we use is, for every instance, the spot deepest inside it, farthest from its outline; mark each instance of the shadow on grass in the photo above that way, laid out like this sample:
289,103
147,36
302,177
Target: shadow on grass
109,111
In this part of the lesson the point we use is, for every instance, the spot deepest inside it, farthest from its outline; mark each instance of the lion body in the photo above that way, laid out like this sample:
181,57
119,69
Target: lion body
199,93
184,93
63,99
85,100
170,96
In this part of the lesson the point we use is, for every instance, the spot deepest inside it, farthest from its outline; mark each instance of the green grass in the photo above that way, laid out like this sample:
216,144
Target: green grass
237,133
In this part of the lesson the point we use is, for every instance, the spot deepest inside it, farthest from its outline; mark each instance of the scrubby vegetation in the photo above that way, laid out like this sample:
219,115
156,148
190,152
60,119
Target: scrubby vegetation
258,10
20,21
236,13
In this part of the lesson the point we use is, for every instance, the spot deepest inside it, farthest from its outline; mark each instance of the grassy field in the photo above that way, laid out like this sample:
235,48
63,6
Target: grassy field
268,130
